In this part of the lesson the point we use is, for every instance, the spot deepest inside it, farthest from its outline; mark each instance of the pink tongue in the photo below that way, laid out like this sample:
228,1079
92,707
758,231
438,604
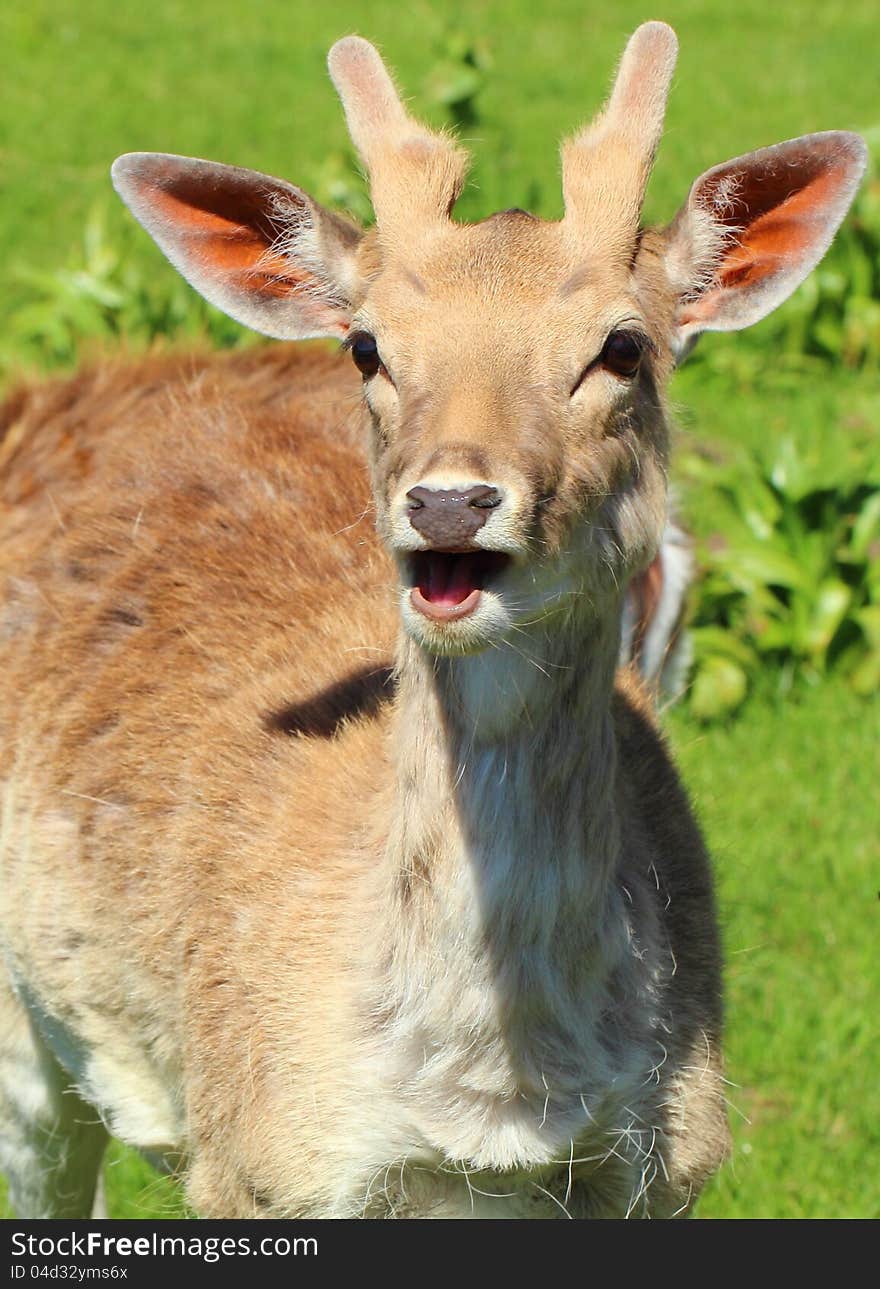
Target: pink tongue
449,580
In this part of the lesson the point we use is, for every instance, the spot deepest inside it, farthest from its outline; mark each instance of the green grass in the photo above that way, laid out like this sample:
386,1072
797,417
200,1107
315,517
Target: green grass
788,798
85,80
786,791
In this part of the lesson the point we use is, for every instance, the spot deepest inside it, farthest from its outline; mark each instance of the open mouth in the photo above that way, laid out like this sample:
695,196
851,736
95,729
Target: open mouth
448,585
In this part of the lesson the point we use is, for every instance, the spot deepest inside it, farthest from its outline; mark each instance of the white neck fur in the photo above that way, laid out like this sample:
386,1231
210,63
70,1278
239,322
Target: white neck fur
508,927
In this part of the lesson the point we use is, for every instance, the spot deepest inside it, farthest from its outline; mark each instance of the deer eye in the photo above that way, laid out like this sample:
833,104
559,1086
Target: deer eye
365,353
622,353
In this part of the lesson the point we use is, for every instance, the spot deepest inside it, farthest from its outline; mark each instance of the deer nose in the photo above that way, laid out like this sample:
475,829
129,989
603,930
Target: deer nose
450,518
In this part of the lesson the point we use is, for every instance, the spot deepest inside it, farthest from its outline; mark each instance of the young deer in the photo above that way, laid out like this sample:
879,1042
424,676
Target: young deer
350,926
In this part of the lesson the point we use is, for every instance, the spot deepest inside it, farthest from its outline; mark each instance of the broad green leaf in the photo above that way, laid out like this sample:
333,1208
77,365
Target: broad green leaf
866,528
832,601
778,637
719,687
868,619
865,678
757,504
452,83
716,640
757,565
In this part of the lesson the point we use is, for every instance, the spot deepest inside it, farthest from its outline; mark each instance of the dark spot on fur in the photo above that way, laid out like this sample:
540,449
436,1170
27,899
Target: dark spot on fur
262,1200
126,617
360,695
404,886
106,725
201,492
418,873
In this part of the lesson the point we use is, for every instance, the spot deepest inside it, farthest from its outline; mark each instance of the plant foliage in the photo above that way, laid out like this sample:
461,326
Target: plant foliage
791,577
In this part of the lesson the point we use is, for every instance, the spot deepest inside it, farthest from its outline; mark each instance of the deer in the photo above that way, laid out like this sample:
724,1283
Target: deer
343,869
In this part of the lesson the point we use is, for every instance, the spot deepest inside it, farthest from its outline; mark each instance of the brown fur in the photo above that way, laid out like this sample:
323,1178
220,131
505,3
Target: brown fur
357,919
179,631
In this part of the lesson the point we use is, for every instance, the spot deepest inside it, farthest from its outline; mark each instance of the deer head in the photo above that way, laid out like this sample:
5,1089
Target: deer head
513,369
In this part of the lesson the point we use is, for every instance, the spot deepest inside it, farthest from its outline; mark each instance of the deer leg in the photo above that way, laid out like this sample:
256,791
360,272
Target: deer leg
51,1141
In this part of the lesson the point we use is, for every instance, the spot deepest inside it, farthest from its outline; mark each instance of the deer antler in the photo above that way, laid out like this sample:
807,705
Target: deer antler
605,167
415,174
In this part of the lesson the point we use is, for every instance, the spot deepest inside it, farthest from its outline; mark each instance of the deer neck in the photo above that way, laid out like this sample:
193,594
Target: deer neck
502,751
502,852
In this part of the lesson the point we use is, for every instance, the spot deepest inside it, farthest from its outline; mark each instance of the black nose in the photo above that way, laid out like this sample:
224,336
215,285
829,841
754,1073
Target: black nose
449,519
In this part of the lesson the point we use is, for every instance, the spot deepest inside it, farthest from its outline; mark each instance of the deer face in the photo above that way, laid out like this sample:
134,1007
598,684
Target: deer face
518,444
513,370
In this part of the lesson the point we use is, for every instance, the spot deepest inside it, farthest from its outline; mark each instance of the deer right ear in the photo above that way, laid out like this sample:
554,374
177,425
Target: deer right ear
753,228
259,249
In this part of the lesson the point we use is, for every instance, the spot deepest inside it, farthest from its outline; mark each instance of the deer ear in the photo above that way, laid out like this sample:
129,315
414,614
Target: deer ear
753,228
259,249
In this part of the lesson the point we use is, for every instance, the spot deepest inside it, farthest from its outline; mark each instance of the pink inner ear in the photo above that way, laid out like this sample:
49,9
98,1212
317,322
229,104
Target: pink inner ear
256,247
781,213
783,233
232,241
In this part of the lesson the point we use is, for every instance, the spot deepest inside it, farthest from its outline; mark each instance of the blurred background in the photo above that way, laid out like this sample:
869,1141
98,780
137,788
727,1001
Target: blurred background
778,446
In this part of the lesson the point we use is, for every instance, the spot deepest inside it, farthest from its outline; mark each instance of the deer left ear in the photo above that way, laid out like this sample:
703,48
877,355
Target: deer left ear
753,228
261,250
